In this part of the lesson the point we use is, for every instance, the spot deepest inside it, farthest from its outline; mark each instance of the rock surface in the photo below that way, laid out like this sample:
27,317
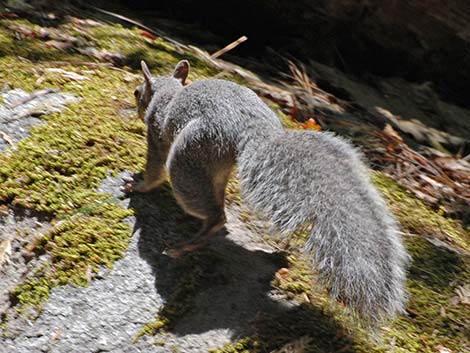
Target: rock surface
20,111
108,315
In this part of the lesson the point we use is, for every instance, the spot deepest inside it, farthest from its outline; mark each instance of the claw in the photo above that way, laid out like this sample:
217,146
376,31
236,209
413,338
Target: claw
131,185
128,179
127,188
174,253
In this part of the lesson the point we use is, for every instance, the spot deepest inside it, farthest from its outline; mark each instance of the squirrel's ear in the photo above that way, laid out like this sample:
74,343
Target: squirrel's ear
181,71
146,71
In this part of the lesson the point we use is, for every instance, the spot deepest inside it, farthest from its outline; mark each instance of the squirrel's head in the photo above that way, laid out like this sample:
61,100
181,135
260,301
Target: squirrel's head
145,91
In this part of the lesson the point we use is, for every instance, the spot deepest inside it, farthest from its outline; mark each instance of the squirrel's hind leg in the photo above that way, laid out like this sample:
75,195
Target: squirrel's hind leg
199,177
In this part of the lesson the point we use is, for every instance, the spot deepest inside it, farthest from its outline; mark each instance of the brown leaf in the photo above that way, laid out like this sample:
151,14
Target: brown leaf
148,35
68,74
58,45
7,138
311,124
85,22
391,133
104,55
441,349
464,294
5,251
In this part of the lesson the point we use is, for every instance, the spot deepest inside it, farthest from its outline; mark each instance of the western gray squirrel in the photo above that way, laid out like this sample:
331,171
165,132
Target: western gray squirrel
198,132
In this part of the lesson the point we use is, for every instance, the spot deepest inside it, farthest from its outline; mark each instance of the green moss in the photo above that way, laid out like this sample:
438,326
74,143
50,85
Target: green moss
433,318
58,168
151,328
241,346
159,55
114,39
418,218
57,171
33,292
28,46
77,248
296,279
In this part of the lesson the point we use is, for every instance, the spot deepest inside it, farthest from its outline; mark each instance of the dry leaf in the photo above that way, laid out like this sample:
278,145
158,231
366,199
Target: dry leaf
56,335
5,251
390,132
7,138
104,55
85,22
58,45
464,294
68,74
148,35
311,124
441,349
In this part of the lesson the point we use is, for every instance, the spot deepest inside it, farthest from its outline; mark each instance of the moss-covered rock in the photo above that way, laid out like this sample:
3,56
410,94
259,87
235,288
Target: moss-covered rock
58,168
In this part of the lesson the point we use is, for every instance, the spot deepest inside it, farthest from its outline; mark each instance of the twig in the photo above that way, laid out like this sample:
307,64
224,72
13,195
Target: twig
341,57
5,251
432,166
220,74
228,47
31,97
84,63
126,19
90,64
155,32
7,138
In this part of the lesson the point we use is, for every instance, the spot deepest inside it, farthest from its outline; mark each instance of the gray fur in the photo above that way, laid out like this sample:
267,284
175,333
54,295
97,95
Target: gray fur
294,178
300,178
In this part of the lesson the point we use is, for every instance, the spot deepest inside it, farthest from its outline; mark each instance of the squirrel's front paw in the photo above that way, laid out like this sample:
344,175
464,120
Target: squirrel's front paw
130,185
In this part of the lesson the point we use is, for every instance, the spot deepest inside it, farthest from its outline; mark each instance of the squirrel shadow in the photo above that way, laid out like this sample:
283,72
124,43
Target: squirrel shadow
224,285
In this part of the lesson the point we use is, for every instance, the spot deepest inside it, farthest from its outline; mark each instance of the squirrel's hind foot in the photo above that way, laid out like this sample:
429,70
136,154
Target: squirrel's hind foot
200,240
131,185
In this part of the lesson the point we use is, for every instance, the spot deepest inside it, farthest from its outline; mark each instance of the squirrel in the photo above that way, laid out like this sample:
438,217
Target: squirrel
198,132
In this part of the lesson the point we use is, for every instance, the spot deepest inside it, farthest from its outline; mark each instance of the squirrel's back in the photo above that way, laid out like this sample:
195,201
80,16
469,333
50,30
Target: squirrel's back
228,110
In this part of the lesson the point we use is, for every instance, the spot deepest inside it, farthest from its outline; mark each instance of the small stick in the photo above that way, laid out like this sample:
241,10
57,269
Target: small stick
228,47
126,19
84,63
90,64
7,138
31,97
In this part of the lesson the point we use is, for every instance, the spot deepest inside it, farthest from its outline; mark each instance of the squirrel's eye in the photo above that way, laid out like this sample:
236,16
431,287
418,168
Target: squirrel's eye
137,92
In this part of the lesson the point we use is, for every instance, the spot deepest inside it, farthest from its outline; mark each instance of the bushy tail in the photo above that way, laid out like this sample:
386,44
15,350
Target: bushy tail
296,178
